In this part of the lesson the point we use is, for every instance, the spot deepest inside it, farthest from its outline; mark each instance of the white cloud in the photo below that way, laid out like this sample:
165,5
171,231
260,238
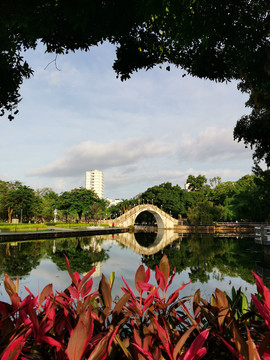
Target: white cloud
90,155
153,128
211,145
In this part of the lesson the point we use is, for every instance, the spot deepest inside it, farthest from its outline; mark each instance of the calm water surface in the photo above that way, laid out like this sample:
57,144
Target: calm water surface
208,261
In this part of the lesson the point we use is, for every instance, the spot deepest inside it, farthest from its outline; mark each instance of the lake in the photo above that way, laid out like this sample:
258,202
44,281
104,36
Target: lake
209,262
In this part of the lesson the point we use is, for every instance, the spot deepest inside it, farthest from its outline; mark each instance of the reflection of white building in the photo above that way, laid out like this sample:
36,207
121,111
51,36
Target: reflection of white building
98,270
94,180
95,245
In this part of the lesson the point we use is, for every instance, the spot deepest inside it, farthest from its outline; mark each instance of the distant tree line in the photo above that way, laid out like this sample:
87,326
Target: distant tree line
203,201
18,201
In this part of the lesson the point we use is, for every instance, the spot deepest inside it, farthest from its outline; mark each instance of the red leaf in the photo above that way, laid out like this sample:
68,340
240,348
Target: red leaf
196,345
200,353
77,278
164,266
160,279
145,286
144,352
165,339
222,304
171,280
262,289
129,289
51,341
80,336
112,337
14,349
29,291
232,349
121,302
264,312
147,274
105,291
15,300
86,277
73,292
137,337
101,350
182,341
47,291
87,288
240,342
139,277
69,270
172,297
252,351
149,300
9,285
34,320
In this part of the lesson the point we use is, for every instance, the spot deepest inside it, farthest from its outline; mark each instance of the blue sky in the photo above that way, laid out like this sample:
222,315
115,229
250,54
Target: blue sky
155,127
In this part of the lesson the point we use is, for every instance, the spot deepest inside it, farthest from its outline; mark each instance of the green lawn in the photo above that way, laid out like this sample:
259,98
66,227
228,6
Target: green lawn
42,227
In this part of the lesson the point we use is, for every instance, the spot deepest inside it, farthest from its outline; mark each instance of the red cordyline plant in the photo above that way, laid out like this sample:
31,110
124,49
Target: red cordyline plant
81,324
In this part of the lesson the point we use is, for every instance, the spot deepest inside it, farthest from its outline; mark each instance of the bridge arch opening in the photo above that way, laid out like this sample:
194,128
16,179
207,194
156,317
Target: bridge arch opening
151,216
146,218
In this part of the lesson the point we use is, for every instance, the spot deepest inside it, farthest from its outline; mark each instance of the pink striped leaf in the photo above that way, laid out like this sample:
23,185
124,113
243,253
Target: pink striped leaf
262,289
160,278
129,290
12,352
196,345
147,274
264,312
145,286
165,339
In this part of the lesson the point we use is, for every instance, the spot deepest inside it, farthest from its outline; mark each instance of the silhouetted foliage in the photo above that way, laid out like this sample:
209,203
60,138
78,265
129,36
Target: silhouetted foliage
220,41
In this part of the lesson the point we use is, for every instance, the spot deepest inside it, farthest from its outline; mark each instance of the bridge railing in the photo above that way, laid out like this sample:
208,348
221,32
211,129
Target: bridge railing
134,210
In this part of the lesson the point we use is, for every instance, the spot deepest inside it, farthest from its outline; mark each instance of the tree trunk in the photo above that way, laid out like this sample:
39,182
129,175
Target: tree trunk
10,211
80,216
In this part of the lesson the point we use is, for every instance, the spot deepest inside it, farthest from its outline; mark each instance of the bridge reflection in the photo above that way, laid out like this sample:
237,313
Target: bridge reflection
163,239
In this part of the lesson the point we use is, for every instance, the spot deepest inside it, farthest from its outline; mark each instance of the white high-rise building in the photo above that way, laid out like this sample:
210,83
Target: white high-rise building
94,180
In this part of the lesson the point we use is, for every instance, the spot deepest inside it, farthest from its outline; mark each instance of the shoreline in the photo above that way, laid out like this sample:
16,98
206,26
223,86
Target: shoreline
56,234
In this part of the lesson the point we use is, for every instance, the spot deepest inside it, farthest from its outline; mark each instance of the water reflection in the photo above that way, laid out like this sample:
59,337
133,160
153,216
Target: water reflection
205,256
21,258
209,260
148,243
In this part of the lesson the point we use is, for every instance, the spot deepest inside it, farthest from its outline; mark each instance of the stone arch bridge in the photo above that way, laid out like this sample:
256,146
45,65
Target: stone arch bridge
164,220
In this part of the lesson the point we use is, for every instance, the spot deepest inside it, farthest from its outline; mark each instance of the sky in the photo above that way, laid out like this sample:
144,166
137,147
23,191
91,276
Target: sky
156,127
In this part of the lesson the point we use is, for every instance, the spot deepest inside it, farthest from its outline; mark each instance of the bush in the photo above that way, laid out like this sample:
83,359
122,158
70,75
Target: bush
81,324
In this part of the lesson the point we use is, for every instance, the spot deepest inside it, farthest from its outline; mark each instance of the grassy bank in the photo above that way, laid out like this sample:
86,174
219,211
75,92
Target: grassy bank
21,227
75,225
43,227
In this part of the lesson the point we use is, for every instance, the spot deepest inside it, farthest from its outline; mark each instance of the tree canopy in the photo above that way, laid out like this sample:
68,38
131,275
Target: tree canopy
77,200
246,199
217,40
